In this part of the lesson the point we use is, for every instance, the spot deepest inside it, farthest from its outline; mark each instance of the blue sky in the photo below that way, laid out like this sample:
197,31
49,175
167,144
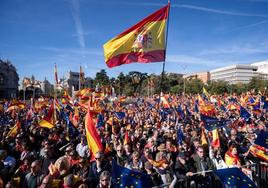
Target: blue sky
203,34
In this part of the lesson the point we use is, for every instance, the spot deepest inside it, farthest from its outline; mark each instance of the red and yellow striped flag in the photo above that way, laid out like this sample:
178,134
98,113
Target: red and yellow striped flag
93,138
215,139
14,130
49,120
144,42
203,138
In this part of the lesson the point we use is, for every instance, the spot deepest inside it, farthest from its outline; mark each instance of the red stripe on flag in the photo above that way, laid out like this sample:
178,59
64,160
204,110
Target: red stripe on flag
138,57
159,15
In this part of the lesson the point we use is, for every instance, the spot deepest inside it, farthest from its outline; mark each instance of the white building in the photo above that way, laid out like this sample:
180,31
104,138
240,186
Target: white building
234,73
71,83
262,68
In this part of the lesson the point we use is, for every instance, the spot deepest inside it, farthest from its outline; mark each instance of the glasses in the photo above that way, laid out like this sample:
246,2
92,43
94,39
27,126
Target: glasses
105,180
98,158
119,150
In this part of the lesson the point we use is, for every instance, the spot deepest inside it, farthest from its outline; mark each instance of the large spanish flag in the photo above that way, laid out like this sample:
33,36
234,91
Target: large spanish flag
93,138
143,42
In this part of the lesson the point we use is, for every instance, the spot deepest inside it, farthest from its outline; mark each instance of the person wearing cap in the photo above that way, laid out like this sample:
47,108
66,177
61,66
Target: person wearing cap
182,169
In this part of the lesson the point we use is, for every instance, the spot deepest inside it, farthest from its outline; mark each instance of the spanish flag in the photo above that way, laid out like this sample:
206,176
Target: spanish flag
215,139
14,130
203,138
93,138
144,42
49,120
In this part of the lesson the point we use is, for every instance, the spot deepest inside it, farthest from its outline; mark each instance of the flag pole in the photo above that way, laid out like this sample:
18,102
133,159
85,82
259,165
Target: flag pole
164,63
79,77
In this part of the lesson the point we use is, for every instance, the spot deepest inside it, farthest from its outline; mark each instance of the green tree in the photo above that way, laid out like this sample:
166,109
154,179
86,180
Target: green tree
194,86
102,78
257,83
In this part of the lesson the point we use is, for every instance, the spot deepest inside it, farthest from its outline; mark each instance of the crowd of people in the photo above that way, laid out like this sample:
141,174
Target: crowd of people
165,139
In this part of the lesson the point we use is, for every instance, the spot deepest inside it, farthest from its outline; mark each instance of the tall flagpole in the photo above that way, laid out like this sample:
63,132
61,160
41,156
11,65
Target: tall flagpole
79,77
164,63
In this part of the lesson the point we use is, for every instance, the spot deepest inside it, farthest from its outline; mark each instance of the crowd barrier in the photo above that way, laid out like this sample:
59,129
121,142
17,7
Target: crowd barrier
259,176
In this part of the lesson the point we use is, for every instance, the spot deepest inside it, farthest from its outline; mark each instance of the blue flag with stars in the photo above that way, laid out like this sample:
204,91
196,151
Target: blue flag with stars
244,113
124,177
120,115
212,123
234,178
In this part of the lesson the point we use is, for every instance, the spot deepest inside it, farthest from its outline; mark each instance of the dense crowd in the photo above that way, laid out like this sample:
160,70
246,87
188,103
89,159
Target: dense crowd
165,139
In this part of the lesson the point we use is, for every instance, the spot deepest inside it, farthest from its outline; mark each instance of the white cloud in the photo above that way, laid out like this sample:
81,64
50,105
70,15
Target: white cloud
75,10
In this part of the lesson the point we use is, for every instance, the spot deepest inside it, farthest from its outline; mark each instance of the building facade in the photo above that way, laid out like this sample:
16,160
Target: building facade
35,88
262,68
204,76
71,82
9,80
234,74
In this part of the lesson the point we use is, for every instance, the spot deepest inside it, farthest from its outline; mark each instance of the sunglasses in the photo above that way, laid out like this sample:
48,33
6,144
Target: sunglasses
105,180
97,158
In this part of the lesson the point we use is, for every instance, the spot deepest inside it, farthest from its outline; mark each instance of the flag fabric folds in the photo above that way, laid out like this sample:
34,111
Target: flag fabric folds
93,138
244,113
49,120
144,42
260,146
124,177
234,177
120,115
100,121
14,130
215,139
212,123
203,138
180,136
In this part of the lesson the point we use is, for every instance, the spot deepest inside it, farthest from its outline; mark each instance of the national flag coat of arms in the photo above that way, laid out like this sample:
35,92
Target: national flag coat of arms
144,42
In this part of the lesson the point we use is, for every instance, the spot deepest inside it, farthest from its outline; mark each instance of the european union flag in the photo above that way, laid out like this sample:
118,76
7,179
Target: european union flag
196,106
180,136
180,111
212,123
262,139
234,178
265,105
244,113
120,115
100,121
71,130
124,177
